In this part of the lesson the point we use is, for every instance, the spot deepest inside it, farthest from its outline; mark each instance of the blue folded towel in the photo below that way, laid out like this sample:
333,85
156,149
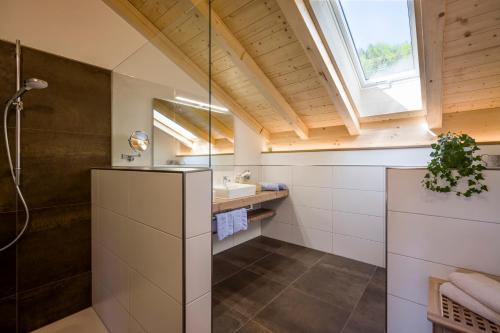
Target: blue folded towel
230,222
273,186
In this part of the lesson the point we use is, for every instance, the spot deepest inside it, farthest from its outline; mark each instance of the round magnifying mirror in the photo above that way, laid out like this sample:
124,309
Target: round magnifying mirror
139,141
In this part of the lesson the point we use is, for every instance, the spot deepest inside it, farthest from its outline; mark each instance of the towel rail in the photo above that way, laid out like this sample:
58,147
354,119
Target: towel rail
255,214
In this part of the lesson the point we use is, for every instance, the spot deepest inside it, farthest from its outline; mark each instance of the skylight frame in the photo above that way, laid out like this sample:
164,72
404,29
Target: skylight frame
343,26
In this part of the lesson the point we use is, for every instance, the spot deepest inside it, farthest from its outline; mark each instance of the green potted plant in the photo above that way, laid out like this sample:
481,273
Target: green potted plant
455,162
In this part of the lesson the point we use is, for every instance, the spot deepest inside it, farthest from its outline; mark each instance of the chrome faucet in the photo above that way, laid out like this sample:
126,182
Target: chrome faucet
226,180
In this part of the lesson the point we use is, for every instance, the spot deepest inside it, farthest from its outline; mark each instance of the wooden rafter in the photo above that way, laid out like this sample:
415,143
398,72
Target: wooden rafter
217,125
430,17
136,19
244,62
167,111
303,26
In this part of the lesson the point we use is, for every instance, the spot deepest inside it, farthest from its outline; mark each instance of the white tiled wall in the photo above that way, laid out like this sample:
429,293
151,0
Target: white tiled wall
336,209
431,234
137,250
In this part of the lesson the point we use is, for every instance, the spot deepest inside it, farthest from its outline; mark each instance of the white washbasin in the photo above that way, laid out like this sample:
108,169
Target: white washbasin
234,190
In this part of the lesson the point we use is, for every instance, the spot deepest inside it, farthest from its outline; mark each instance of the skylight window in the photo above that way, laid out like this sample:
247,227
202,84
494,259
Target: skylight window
380,37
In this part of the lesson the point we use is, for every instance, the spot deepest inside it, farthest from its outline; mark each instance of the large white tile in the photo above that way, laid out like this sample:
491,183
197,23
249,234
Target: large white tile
460,243
115,277
113,315
198,266
156,200
359,225
94,226
221,245
84,321
113,190
313,176
244,236
311,238
199,315
359,249
94,183
283,210
198,203
312,197
361,202
277,230
134,326
365,178
277,174
255,172
114,233
406,194
158,257
405,316
315,218
409,278
156,311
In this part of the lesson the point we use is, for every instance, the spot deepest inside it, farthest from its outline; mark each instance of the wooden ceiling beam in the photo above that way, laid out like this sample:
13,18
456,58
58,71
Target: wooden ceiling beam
217,125
245,63
430,22
169,112
302,24
142,24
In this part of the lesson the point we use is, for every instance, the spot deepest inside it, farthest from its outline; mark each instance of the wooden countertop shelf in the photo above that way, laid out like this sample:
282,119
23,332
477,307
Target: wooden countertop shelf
260,214
221,205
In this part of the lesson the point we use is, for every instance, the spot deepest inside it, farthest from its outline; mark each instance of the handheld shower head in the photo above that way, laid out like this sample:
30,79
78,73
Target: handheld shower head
28,85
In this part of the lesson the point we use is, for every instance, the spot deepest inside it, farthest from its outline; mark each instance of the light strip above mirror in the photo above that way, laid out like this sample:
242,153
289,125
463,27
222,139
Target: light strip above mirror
201,105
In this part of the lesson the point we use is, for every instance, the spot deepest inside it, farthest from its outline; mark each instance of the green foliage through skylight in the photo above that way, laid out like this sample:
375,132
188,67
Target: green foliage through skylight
381,56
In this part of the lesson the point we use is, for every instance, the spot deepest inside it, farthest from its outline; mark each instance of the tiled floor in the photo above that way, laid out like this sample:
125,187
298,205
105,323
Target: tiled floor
85,321
265,285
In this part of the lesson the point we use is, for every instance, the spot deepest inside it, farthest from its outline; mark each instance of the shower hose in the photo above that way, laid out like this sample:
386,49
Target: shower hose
18,190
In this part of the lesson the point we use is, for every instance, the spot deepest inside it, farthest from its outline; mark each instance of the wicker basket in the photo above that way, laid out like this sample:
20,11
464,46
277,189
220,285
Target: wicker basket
448,316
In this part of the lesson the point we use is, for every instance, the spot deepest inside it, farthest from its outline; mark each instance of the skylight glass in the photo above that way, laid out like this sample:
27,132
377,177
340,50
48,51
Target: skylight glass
380,36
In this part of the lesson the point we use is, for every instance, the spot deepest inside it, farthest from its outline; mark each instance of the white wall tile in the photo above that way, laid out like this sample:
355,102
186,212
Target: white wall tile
316,218
155,200
114,233
312,197
252,232
198,266
156,311
114,316
158,257
405,316
113,190
312,238
199,315
221,245
94,183
115,277
283,210
94,226
198,205
134,326
255,172
277,230
277,174
359,249
359,225
361,202
409,278
417,199
365,178
460,243
314,176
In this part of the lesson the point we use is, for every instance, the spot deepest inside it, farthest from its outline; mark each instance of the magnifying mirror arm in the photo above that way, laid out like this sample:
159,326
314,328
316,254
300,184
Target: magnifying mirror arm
130,157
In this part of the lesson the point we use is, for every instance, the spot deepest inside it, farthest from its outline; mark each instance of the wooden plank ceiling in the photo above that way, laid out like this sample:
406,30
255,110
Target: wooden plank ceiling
470,64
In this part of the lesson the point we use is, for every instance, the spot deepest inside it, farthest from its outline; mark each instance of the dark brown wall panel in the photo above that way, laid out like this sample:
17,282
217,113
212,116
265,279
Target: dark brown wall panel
66,131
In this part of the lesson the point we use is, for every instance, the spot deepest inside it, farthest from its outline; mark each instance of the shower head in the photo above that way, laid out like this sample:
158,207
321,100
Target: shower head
28,85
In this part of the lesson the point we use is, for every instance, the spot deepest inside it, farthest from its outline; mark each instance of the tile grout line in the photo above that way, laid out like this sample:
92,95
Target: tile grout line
279,294
359,299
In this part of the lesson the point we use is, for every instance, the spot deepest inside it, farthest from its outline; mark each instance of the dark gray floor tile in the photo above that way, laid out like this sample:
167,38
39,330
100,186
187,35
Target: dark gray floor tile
369,314
347,265
266,243
253,327
279,268
303,254
8,314
224,318
333,286
243,255
297,312
246,292
222,269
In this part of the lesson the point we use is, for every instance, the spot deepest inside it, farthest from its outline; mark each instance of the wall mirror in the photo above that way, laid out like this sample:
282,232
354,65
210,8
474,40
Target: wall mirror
181,133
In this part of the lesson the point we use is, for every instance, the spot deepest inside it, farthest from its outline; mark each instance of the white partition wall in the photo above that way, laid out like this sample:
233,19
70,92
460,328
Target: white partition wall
335,209
151,250
432,234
